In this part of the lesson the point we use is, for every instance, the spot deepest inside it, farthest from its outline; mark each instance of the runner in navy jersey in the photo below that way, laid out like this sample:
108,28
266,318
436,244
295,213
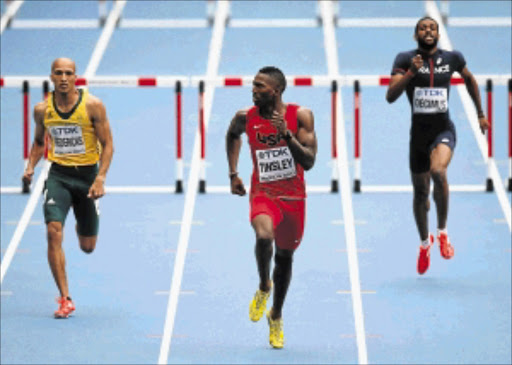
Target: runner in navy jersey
425,73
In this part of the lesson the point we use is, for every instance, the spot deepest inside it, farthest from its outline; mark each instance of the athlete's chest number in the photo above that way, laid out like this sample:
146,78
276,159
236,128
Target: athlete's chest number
430,100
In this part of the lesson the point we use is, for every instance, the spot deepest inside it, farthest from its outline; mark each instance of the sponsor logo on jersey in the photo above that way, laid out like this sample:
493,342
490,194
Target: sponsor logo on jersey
437,70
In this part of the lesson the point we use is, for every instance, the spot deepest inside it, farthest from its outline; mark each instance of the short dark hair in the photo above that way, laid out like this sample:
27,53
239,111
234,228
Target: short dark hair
276,74
425,18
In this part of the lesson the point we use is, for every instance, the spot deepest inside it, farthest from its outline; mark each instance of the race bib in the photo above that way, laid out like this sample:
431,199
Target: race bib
67,139
430,100
275,164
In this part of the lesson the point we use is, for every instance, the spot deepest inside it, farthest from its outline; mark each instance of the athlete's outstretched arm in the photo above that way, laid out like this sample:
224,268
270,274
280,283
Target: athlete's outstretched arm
233,145
37,150
98,115
399,82
474,92
303,145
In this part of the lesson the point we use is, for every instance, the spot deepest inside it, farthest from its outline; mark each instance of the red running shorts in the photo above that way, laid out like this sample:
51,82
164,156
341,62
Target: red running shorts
288,217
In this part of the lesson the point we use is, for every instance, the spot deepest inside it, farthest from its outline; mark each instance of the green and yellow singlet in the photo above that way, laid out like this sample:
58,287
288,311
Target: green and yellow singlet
73,141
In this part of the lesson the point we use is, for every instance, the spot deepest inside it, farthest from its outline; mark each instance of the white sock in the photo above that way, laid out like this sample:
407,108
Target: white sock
426,242
444,230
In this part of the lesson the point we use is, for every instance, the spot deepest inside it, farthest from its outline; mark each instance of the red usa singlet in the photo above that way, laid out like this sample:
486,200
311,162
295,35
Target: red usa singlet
275,171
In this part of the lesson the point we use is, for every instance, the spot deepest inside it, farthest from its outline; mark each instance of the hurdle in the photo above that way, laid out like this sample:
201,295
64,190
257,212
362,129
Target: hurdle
178,82
488,80
241,81
510,135
46,91
489,186
26,131
103,81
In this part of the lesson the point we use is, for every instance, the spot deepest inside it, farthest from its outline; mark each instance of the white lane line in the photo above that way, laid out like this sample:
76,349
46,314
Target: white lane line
253,23
6,293
31,223
54,23
361,250
350,292
9,14
411,22
226,189
352,335
183,292
480,22
340,222
408,188
330,46
173,336
163,23
215,50
376,22
172,250
19,250
273,23
37,190
10,190
178,223
104,39
24,220
433,11
158,189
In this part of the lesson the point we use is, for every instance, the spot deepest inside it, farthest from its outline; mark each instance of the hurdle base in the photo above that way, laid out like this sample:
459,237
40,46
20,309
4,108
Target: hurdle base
489,185
25,189
334,186
510,184
179,186
357,186
202,186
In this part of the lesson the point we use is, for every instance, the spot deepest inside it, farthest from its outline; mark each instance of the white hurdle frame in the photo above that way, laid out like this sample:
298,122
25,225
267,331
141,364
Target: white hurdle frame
105,81
299,81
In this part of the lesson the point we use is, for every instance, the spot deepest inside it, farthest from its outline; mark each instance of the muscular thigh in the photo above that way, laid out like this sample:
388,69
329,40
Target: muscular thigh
87,211
291,229
425,141
57,199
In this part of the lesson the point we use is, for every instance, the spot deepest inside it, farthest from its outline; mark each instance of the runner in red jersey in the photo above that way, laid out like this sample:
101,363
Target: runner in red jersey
283,144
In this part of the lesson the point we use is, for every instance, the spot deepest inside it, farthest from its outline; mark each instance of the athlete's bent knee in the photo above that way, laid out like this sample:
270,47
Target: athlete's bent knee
421,193
264,243
283,260
54,233
87,243
438,173
264,234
